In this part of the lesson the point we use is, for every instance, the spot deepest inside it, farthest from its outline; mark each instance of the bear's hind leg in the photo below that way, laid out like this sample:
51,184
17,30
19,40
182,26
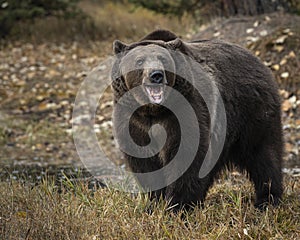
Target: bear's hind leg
264,168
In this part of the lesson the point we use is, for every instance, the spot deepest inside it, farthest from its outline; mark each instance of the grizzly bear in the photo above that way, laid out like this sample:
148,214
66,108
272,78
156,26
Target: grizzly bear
163,77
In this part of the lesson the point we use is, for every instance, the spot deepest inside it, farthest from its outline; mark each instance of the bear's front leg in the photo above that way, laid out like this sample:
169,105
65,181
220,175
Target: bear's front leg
188,191
147,165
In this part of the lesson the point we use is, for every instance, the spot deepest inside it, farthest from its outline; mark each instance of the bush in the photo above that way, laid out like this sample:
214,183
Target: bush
14,11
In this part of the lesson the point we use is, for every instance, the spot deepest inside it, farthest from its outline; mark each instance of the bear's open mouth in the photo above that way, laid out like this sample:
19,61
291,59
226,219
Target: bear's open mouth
155,92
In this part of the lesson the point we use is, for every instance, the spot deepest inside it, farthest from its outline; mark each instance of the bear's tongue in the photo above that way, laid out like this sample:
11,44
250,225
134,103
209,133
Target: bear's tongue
155,92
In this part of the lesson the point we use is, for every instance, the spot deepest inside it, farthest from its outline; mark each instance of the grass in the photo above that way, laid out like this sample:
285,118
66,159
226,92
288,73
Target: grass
40,212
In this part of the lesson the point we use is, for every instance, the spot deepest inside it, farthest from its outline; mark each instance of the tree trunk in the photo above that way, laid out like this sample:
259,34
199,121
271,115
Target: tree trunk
251,7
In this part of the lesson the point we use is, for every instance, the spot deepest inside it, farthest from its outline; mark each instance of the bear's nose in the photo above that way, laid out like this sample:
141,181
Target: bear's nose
156,76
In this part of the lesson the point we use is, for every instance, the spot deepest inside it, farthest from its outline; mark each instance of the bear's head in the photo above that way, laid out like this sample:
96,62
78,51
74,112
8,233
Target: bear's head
147,64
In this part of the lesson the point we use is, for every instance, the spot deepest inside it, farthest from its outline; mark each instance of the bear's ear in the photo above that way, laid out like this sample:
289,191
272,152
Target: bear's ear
175,44
118,46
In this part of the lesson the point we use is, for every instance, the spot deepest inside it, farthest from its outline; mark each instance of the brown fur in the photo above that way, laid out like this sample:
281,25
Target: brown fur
254,133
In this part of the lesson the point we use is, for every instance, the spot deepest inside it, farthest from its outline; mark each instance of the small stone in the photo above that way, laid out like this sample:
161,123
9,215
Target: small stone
249,30
32,68
40,97
217,34
4,5
285,75
263,33
252,39
268,64
293,99
256,24
24,59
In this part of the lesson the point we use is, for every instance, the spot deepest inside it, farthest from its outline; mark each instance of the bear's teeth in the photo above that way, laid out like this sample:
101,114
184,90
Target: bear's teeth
155,93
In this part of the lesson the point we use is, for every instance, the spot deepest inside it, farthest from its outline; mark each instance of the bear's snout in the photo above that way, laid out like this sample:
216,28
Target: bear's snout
156,76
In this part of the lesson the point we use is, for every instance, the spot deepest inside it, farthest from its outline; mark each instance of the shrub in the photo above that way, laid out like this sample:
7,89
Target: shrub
14,11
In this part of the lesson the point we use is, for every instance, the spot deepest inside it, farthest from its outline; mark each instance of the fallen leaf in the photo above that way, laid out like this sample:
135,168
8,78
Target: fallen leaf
288,147
281,39
23,102
278,48
292,54
283,62
20,83
286,105
30,75
276,67
284,93
39,146
22,214
42,106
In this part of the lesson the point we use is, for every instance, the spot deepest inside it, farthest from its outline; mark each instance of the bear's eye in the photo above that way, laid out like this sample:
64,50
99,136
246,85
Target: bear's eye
139,62
163,60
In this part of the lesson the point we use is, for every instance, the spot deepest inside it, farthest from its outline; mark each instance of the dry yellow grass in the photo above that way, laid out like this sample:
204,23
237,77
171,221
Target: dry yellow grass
40,212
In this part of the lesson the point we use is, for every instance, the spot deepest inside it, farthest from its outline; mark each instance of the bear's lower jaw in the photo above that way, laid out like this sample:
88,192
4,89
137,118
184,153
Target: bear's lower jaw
155,92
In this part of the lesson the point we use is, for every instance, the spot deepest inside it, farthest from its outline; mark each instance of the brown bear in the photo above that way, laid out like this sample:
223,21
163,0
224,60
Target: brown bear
151,71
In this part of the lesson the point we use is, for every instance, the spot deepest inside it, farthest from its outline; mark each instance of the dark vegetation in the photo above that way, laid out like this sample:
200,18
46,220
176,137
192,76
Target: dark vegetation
201,9
14,11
